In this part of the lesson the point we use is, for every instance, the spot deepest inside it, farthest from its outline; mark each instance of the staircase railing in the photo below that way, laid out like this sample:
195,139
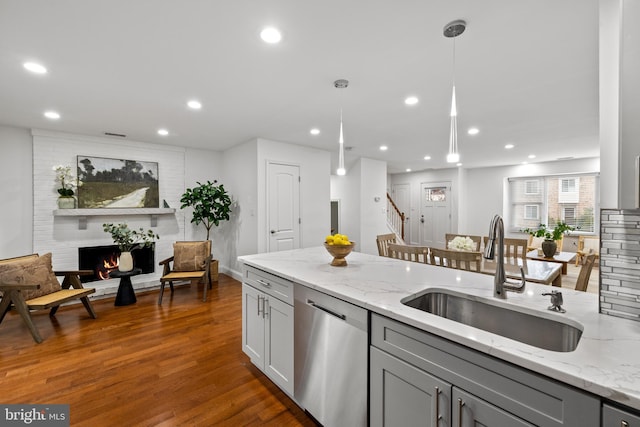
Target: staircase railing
395,218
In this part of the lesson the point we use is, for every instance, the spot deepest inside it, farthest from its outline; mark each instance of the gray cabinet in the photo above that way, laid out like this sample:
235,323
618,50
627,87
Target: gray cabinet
615,417
403,395
491,392
267,325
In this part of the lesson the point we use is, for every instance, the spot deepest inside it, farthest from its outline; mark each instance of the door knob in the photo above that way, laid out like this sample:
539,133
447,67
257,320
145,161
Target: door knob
273,231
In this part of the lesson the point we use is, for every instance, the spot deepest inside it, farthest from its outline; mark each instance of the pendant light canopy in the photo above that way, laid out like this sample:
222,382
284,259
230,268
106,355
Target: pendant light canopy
453,30
341,84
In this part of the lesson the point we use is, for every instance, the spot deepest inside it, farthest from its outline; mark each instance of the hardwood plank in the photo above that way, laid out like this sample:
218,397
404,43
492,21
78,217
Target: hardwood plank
179,364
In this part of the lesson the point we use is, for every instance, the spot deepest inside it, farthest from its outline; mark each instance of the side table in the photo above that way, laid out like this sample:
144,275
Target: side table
125,295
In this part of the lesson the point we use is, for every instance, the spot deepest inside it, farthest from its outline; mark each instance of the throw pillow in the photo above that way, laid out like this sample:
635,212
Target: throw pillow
33,271
190,256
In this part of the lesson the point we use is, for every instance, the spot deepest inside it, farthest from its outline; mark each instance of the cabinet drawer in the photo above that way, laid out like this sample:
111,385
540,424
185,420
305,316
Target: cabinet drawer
523,393
616,417
269,284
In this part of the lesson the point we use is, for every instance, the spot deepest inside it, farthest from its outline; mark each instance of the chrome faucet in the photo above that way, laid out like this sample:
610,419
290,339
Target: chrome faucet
500,284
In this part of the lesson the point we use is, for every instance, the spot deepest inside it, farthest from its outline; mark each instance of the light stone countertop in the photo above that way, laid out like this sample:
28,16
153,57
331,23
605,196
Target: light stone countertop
606,361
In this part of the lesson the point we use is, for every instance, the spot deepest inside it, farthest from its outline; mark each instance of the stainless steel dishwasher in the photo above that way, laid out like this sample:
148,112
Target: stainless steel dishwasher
330,358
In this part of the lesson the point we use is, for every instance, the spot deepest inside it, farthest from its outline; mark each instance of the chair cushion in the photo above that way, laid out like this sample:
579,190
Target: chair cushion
190,256
33,271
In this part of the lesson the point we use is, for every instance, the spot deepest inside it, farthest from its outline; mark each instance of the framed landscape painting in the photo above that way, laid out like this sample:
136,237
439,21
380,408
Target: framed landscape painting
116,183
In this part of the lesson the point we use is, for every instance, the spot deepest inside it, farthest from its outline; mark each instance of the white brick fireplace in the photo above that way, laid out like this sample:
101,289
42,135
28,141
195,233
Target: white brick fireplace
63,235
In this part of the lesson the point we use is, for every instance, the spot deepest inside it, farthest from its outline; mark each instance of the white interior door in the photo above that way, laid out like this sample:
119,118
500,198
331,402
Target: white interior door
401,194
283,200
435,216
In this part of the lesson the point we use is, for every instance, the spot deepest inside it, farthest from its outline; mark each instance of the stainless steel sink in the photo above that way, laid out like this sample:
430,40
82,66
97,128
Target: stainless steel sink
526,327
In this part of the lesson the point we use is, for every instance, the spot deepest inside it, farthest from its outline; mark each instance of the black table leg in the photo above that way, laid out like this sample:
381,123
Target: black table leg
125,296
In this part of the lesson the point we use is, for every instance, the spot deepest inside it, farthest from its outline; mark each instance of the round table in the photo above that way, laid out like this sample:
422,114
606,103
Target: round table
125,294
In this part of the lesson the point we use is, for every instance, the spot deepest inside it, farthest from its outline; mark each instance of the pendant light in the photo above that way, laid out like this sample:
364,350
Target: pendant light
341,84
453,30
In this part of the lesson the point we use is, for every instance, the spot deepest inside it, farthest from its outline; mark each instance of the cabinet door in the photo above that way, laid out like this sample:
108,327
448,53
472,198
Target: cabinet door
469,410
278,356
616,417
253,324
402,395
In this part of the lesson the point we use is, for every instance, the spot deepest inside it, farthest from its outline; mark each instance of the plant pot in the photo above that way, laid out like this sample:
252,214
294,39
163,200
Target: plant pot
125,262
66,202
549,248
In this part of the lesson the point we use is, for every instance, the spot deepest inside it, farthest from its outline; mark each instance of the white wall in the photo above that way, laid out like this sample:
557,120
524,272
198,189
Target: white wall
16,190
415,181
373,216
241,179
315,187
484,188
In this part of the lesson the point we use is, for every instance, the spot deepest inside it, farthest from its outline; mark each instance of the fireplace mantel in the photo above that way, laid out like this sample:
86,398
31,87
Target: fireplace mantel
82,214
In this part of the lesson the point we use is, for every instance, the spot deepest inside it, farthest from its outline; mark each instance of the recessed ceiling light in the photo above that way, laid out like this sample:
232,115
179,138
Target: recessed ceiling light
271,35
427,157
532,156
35,68
194,105
163,132
509,146
408,170
315,131
411,100
52,115
473,131
383,148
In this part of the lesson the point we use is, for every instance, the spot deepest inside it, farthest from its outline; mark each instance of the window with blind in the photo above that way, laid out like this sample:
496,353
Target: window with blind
550,199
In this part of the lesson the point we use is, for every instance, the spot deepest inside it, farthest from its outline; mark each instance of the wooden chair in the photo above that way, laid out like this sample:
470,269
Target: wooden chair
409,252
383,240
513,248
585,272
587,245
29,283
461,260
536,243
476,239
191,262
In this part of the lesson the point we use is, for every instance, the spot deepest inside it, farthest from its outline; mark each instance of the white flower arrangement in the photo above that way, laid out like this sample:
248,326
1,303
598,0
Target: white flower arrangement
66,179
460,243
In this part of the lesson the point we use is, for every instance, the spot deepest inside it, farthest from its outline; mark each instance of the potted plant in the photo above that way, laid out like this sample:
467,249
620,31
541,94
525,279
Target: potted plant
551,236
67,184
129,240
210,202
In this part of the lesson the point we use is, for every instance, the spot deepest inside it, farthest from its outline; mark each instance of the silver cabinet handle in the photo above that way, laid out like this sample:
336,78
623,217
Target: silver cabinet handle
259,298
460,405
264,283
265,307
437,417
623,423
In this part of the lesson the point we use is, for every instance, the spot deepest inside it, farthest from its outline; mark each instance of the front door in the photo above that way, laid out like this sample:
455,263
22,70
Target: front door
283,206
435,218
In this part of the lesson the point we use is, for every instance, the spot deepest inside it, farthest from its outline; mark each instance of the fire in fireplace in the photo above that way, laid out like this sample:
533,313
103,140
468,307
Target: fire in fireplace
104,259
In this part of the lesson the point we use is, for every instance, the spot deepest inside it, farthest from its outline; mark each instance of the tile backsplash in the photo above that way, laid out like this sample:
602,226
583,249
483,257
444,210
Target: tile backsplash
620,263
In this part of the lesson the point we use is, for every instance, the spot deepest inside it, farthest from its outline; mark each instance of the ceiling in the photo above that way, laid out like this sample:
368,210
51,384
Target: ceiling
526,73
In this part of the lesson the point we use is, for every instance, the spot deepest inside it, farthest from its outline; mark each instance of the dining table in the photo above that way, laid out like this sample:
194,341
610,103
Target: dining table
536,271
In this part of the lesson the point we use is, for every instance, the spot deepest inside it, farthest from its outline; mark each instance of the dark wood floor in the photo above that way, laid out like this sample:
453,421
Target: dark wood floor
179,364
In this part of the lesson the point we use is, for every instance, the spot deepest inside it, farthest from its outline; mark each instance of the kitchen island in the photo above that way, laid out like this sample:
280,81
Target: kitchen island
605,362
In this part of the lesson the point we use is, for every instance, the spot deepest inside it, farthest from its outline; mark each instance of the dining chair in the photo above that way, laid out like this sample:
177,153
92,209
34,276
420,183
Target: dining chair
409,252
461,260
513,248
587,245
585,272
383,240
476,239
